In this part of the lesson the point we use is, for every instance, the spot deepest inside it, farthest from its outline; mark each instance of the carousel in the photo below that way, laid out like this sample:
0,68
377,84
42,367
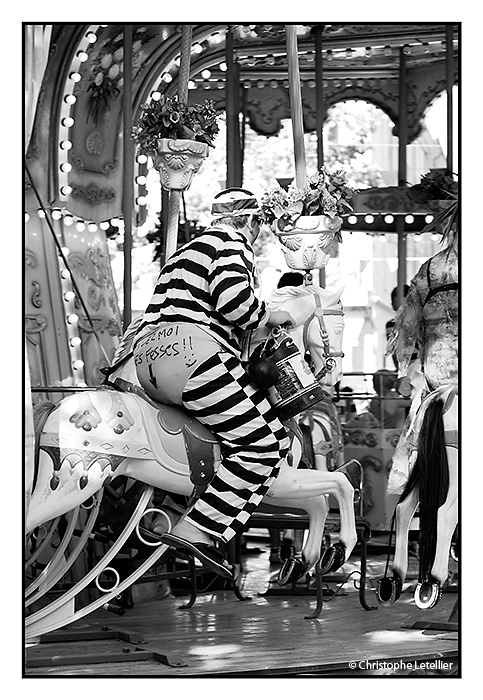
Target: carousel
372,566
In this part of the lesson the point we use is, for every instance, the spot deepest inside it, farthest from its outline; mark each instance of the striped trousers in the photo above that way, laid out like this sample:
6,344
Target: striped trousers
218,392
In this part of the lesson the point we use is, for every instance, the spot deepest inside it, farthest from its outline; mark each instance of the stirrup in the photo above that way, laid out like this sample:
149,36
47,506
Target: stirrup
331,558
388,590
292,571
428,593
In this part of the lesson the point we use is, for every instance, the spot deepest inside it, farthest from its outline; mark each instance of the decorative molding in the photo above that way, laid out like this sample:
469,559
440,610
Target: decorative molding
35,298
30,259
93,266
35,324
92,194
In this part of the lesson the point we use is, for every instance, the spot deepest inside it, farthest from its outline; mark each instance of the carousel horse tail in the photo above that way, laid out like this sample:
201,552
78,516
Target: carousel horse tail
431,474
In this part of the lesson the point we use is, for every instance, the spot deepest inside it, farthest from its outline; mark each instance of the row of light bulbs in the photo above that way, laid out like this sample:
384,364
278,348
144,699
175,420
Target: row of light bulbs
388,219
80,225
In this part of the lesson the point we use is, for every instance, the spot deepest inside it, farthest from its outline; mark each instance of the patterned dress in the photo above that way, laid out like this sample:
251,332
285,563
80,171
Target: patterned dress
428,318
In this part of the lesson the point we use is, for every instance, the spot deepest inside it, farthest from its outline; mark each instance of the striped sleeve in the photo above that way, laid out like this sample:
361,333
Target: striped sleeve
232,286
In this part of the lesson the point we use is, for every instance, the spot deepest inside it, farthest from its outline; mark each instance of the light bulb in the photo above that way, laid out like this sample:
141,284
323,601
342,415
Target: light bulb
41,214
428,218
56,214
27,217
78,364
91,37
72,318
80,226
104,225
141,179
369,219
142,158
75,77
389,219
197,48
66,167
141,201
206,74
409,219
82,56
92,227
66,145
65,274
75,342
68,122
167,77
67,189
352,219
68,220
69,296
156,96
70,99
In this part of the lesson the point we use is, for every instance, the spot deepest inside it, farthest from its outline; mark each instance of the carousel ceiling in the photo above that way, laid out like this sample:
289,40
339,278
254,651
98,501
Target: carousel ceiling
81,103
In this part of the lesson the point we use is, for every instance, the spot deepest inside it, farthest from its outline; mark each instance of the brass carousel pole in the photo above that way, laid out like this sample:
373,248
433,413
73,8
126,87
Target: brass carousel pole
319,112
449,94
175,195
128,174
232,111
296,105
402,175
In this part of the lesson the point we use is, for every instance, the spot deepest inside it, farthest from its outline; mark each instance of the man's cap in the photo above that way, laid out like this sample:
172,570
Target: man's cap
234,201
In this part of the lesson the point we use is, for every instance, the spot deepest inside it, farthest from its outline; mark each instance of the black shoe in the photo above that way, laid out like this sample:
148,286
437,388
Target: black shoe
206,553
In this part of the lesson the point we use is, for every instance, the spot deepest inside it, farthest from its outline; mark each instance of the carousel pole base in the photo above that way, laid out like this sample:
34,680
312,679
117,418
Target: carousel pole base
40,655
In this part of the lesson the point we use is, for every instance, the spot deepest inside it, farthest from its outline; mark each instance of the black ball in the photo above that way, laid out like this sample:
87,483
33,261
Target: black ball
264,372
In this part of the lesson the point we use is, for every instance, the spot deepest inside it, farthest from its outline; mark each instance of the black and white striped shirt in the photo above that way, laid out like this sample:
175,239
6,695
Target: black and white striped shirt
209,282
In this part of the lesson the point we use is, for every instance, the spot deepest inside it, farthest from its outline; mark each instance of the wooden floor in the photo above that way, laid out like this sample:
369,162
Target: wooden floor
221,636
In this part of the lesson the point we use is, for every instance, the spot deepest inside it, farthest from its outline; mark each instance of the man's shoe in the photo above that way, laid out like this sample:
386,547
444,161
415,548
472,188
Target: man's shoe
207,554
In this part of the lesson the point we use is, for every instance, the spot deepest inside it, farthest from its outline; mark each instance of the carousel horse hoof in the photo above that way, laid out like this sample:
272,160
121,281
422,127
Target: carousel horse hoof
388,590
427,593
292,571
331,558
207,554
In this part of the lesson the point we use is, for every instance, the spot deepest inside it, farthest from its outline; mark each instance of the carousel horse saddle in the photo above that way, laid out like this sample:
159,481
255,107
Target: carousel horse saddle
127,424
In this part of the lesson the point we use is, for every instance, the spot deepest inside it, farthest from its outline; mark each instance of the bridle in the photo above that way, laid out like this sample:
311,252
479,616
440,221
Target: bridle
329,355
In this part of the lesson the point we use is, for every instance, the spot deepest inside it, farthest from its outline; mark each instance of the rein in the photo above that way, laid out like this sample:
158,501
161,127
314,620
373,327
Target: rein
329,355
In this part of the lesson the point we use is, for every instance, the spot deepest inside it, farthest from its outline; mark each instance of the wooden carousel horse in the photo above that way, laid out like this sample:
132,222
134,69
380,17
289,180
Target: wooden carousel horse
425,464
433,488
319,338
88,439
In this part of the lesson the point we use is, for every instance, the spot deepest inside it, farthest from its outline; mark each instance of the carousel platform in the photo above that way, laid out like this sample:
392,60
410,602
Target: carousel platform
269,634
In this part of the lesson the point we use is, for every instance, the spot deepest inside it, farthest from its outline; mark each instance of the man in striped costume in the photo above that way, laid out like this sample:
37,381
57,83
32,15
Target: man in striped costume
188,352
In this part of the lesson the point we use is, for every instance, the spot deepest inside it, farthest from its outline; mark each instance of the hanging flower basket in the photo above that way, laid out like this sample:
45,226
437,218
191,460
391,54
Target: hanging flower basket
308,245
177,137
307,220
177,161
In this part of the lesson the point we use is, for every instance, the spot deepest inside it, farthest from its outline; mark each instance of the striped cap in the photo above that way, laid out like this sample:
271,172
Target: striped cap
234,201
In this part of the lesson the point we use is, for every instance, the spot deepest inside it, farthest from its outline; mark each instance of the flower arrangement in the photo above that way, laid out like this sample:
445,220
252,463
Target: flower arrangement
438,184
326,194
168,118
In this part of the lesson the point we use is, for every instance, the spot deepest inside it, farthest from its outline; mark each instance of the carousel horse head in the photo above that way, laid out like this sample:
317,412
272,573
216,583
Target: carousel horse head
319,325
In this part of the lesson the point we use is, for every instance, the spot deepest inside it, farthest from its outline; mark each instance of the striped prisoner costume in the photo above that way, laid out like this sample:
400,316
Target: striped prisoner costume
202,301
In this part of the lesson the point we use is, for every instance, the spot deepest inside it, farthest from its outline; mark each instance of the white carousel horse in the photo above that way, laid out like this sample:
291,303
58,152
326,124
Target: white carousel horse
117,430
320,336
433,487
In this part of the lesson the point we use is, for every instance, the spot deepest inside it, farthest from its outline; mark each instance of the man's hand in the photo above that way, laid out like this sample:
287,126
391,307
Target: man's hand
281,318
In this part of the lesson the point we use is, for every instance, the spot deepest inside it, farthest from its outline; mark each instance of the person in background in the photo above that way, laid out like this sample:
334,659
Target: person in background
388,407
188,352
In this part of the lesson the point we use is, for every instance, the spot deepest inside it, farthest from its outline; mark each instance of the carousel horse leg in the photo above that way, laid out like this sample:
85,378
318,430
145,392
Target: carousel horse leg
306,483
428,593
389,588
295,567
